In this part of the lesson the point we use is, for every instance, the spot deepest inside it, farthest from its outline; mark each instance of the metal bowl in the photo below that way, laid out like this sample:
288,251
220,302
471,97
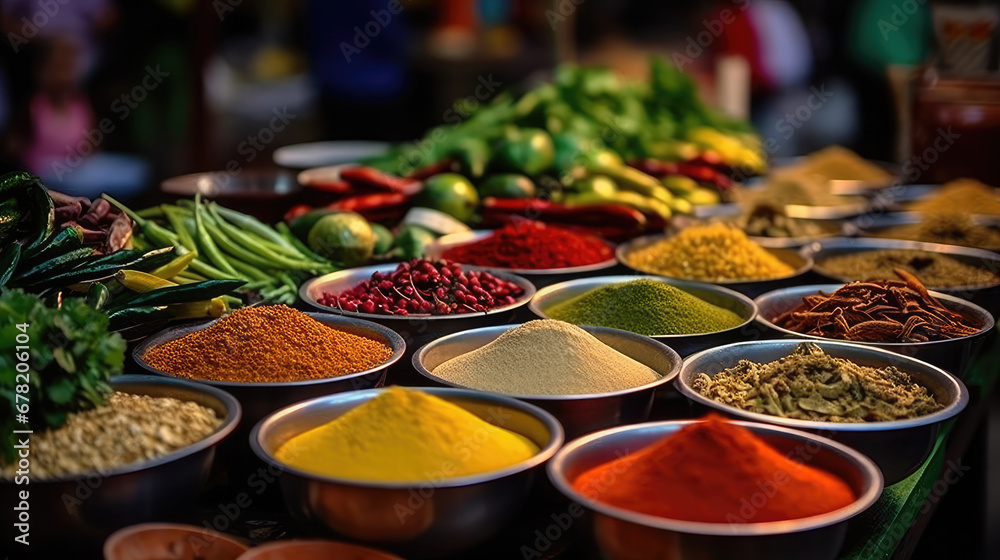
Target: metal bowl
539,276
951,355
987,295
750,287
579,414
416,330
419,519
299,549
78,512
876,225
683,344
148,541
618,532
260,399
899,447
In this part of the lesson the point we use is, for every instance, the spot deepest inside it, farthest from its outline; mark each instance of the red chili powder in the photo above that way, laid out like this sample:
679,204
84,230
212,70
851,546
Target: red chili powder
715,472
532,245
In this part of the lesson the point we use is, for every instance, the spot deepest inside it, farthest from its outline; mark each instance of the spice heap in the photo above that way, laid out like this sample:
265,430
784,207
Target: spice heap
267,344
767,220
532,245
128,429
809,384
933,269
405,435
546,358
645,307
965,196
950,229
421,287
798,191
877,311
837,162
706,471
714,252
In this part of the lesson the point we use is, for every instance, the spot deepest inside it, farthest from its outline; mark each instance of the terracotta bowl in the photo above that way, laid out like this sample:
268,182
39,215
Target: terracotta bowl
315,550
168,541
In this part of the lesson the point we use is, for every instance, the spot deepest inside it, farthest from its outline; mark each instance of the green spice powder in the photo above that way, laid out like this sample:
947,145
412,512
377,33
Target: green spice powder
646,307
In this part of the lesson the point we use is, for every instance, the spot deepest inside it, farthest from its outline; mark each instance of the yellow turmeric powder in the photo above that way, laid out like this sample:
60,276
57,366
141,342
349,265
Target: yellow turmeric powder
405,435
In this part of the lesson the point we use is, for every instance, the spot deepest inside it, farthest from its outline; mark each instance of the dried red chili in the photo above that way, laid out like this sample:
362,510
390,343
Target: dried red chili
532,245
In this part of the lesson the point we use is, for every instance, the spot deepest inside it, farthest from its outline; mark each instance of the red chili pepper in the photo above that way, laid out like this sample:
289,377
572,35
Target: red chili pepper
335,186
373,178
698,172
431,169
295,212
610,215
370,202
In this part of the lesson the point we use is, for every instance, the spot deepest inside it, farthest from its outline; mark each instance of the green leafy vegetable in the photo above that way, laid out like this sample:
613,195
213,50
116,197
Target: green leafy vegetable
71,356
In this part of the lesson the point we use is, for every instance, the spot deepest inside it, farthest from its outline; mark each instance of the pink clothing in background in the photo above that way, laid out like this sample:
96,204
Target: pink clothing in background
57,133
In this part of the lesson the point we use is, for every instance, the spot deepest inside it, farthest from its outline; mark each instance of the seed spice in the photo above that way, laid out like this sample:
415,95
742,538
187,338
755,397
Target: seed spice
713,252
933,269
129,429
809,384
946,228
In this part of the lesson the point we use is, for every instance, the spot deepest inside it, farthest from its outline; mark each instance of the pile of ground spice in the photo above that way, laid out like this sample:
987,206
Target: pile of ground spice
713,252
947,228
546,357
645,307
130,428
809,384
710,472
933,269
966,196
532,245
267,344
405,435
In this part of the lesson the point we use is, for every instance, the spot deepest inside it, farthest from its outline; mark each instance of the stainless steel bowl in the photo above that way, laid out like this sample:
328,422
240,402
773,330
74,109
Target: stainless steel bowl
579,414
420,519
898,447
683,344
416,330
750,287
260,399
538,276
79,512
837,246
625,535
951,355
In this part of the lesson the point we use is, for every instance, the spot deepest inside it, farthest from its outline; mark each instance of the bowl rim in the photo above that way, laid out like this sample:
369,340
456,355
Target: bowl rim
234,412
446,242
862,502
417,361
367,271
393,340
626,248
171,185
120,535
857,245
950,410
988,321
535,307
557,437
297,542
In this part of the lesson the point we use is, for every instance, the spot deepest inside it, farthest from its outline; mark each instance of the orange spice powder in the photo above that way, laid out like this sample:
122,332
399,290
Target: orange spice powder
267,344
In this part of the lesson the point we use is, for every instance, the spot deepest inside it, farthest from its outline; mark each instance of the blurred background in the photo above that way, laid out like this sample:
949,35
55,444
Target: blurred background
115,96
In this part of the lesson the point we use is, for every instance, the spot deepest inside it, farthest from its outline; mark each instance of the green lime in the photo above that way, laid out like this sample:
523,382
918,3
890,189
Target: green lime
345,238
507,185
449,193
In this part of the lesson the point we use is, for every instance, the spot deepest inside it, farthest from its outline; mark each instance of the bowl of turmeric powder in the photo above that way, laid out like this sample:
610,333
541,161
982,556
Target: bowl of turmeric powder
270,356
715,488
427,472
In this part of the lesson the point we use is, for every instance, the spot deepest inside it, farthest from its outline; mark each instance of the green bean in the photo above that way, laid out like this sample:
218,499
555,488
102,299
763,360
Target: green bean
251,224
252,242
156,233
248,270
151,212
205,242
207,270
268,260
286,232
176,220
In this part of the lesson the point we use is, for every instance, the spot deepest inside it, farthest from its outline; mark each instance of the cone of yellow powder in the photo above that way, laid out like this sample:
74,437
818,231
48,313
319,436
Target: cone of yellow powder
405,435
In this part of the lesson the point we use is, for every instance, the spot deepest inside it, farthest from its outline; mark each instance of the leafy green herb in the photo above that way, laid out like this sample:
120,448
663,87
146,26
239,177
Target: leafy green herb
71,354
